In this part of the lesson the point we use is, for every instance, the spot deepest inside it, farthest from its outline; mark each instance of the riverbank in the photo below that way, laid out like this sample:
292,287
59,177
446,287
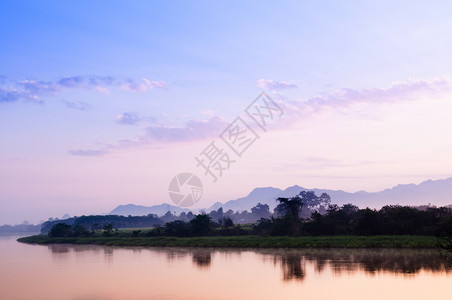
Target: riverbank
405,241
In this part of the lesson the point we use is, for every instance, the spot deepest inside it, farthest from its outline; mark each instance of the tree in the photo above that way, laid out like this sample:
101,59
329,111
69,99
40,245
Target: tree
289,207
261,211
177,228
313,203
227,222
108,229
79,230
216,215
201,225
60,230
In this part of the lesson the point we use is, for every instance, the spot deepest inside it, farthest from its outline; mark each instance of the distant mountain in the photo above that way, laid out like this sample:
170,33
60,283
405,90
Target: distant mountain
261,195
139,210
436,192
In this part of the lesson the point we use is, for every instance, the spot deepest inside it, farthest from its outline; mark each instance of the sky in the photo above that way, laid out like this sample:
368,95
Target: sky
103,103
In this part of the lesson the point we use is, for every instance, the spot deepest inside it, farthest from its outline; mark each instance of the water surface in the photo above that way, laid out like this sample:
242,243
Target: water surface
100,272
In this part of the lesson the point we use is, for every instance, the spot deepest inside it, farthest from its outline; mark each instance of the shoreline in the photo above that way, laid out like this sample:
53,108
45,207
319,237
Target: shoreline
383,241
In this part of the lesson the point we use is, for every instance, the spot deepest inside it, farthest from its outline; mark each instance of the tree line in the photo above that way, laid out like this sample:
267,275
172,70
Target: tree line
305,214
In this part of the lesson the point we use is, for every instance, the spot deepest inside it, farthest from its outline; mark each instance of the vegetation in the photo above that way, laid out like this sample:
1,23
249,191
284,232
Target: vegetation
94,223
249,241
305,220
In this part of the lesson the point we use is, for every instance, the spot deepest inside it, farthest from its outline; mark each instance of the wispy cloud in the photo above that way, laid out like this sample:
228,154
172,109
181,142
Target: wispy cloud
39,87
294,112
129,118
71,81
320,163
9,95
88,152
12,91
78,105
142,86
269,84
193,130
400,91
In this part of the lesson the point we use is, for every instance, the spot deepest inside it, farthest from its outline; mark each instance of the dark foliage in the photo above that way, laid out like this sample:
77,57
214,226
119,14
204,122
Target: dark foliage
201,225
65,230
61,230
98,222
303,215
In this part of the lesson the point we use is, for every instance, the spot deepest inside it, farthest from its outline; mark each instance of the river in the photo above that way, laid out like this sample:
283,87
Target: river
102,272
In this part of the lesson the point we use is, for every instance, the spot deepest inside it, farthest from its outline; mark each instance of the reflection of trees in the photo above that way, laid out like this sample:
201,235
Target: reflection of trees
445,244
57,249
293,268
65,248
291,262
202,259
387,260
295,263
399,261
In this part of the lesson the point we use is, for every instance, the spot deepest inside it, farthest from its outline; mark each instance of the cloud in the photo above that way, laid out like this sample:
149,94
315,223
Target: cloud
71,81
269,84
88,152
39,87
320,163
9,96
131,85
78,105
294,112
153,84
400,91
102,90
128,118
11,91
193,130
101,80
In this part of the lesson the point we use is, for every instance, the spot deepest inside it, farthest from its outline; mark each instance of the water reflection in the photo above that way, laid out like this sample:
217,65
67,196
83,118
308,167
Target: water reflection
202,259
293,266
292,262
371,261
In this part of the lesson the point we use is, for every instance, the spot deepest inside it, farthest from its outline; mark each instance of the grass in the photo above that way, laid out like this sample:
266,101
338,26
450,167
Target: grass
405,241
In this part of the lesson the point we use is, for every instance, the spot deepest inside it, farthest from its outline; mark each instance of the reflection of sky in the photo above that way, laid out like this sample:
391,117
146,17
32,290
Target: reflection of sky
83,272
102,105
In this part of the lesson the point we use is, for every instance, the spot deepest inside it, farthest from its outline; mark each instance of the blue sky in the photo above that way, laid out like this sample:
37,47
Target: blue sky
90,92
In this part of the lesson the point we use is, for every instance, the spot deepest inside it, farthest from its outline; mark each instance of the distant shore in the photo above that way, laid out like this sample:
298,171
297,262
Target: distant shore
404,241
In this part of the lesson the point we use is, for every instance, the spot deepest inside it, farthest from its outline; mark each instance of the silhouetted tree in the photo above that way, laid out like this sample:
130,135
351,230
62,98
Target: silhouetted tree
227,222
216,215
79,230
108,229
60,230
289,207
177,228
201,225
261,211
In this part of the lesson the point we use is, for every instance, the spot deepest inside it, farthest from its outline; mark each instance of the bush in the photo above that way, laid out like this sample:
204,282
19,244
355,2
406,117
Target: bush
60,230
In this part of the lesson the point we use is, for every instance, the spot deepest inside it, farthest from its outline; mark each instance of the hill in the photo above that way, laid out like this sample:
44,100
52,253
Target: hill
140,210
435,192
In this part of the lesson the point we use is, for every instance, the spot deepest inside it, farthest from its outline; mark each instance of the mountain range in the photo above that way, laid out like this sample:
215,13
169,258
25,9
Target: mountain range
435,192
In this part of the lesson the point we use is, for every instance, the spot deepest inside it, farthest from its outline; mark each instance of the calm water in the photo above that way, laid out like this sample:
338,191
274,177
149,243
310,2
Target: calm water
97,272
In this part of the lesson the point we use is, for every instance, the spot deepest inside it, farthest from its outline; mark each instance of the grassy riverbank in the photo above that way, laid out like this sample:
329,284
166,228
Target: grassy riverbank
405,241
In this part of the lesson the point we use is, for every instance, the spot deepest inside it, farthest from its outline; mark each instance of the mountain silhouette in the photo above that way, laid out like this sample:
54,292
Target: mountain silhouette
435,192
